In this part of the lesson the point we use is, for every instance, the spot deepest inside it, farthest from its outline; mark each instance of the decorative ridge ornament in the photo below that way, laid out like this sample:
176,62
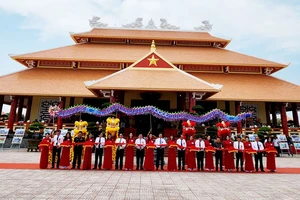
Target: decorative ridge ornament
165,25
151,25
207,26
95,23
137,24
153,48
268,70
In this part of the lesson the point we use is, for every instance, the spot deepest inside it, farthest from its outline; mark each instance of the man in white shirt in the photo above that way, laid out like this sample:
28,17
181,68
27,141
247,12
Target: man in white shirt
160,146
239,145
200,145
100,142
120,144
259,147
56,140
181,152
140,144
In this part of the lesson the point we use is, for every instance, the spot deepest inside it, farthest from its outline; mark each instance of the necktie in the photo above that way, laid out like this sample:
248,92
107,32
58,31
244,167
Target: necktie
99,142
181,142
238,145
140,143
160,143
257,146
57,141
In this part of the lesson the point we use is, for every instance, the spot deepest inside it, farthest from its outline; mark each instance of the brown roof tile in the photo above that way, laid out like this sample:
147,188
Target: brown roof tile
245,87
131,53
49,82
150,34
153,80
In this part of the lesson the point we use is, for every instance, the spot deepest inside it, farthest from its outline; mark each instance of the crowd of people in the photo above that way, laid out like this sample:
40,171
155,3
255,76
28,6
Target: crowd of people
193,154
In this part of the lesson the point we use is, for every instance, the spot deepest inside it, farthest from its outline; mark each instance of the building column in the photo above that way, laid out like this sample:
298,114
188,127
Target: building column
284,119
62,106
1,103
12,113
192,102
295,115
238,111
274,117
72,101
227,107
28,108
112,99
267,106
20,108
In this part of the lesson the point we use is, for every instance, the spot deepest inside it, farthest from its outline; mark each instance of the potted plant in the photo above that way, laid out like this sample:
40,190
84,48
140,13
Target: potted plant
198,109
36,126
264,132
212,131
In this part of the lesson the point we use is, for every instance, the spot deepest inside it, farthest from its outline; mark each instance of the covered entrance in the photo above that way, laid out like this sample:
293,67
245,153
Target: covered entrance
150,77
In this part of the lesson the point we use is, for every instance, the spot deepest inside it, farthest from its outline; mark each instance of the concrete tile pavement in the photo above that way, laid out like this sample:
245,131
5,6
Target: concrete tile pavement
79,184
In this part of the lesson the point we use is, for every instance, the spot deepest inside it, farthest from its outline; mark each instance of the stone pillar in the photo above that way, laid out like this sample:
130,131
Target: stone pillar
284,119
274,117
267,106
238,111
192,102
1,103
12,113
20,108
295,115
28,109
62,106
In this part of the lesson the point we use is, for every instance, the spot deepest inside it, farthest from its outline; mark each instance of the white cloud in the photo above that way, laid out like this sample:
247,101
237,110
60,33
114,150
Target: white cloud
231,18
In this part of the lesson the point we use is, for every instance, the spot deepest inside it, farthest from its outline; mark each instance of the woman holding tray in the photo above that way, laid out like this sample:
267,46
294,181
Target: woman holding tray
172,154
44,146
109,143
129,152
87,159
65,156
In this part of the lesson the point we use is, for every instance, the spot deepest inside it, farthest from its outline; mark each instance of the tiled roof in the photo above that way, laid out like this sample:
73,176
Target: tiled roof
49,82
245,87
150,34
159,75
131,53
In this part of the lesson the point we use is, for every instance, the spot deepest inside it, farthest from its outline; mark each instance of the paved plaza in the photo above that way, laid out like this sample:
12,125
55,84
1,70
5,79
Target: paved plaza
80,184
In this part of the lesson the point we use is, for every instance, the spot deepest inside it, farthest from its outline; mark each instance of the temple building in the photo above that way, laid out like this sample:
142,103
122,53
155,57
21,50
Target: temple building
171,69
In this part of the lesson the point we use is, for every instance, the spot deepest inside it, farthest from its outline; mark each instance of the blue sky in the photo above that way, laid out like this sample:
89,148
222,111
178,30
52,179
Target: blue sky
262,28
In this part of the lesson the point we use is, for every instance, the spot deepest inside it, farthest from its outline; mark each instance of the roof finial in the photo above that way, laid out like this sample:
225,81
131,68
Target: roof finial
153,48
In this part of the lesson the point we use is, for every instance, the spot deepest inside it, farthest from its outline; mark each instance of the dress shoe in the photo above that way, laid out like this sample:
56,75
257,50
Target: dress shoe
73,168
142,168
262,170
136,168
95,168
243,170
183,169
222,170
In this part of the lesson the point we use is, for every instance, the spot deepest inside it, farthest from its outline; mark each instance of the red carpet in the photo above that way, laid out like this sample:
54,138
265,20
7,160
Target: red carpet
36,166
